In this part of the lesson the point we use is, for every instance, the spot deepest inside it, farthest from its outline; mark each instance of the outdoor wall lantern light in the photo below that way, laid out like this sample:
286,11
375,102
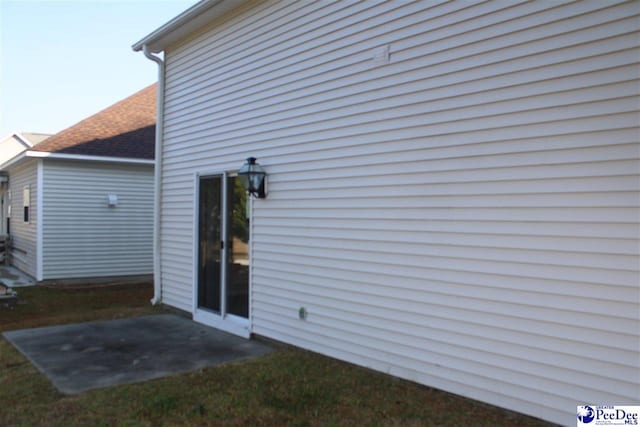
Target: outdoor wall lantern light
253,178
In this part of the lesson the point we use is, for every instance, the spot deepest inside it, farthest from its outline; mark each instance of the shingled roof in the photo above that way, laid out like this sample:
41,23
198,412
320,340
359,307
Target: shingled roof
125,129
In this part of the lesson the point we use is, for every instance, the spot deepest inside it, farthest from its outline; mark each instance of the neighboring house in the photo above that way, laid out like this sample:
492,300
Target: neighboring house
10,147
453,192
82,200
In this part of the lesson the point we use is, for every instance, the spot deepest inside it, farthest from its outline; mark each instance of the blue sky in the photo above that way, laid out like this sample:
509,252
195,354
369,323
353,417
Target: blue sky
62,61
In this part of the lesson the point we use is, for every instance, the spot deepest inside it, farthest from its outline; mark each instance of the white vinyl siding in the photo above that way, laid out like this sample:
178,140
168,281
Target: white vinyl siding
82,235
23,234
465,216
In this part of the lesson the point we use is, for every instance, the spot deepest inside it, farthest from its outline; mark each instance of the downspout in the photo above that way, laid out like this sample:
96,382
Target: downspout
157,283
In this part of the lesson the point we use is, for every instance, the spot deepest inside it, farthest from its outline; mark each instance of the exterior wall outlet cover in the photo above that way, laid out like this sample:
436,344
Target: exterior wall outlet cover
302,313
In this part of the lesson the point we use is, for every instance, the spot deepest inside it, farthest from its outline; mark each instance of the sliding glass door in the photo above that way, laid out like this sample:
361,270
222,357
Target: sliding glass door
223,253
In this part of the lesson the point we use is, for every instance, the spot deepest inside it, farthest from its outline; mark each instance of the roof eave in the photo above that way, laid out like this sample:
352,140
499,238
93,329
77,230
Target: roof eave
187,22
89,158
30,154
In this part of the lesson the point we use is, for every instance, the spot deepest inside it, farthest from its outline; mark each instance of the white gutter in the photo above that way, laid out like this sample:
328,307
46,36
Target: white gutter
62,156
157,271
45,154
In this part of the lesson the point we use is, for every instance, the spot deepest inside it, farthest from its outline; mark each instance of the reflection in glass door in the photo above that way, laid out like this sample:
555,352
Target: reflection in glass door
210,241
223,237
237,277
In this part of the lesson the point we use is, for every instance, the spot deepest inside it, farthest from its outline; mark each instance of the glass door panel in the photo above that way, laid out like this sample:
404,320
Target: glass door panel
237,283
210,239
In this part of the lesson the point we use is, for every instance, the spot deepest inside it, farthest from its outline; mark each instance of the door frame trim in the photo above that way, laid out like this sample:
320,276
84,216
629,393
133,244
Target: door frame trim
224,321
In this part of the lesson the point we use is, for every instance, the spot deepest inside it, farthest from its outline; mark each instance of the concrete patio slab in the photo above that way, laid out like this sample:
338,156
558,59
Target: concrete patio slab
93,355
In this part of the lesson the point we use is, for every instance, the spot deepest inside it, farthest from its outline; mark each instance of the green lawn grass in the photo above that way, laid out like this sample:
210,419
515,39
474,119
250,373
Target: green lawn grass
288,387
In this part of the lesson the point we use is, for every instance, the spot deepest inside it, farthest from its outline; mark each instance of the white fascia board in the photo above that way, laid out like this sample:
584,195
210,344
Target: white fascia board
44,154
188,21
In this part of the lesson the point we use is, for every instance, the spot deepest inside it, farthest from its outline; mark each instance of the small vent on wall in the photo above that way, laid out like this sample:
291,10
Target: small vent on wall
381,55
